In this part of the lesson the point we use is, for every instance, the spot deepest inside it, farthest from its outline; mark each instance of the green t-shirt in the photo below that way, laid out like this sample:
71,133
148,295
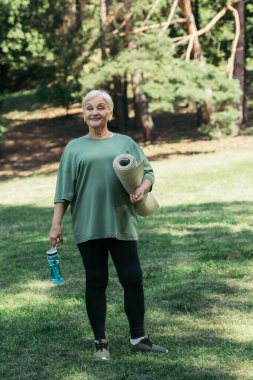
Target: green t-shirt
100,206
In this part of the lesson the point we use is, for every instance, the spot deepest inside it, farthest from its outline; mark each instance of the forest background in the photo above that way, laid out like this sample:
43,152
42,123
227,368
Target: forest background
155,57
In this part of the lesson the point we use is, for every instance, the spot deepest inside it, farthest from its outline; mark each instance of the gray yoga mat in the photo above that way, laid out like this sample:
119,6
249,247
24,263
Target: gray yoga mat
130,175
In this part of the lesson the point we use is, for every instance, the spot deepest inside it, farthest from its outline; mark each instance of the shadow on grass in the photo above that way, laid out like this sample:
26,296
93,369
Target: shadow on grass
37,144
193,259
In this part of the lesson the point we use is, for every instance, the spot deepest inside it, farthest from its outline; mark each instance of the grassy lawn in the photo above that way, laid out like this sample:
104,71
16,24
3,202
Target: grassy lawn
196,254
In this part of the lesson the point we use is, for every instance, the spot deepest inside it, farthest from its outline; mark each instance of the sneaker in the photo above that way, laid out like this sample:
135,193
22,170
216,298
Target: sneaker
146,345
101,351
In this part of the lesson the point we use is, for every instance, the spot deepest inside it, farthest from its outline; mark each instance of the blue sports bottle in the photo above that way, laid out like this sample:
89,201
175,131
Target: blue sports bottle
54,264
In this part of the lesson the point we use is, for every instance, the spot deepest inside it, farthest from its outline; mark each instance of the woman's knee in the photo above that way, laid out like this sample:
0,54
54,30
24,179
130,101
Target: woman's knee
131,280
98,281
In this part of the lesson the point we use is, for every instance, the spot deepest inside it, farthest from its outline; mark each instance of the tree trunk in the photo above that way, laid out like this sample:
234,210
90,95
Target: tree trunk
125,103
78,27
107,51
120,103
196,54
239,64
191,28
4,77
141,109
103,15
143,118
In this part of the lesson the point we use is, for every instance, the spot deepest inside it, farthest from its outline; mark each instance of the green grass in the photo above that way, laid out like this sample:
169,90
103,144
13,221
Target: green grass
196,254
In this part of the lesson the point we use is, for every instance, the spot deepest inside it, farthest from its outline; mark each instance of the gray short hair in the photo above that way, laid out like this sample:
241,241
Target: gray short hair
104,94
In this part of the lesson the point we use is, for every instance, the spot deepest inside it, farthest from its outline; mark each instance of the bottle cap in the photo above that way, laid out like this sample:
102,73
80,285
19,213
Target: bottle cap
52,251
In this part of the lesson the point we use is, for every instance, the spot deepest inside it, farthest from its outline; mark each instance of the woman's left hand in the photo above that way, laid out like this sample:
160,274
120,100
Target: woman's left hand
138,195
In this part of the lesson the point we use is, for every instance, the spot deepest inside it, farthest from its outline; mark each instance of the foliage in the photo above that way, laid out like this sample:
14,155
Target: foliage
249,31
42,45
216,44
170,82
21,41
3,131
223,124
40,40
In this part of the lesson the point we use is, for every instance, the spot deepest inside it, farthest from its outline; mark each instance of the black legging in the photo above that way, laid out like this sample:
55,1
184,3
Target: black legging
125,258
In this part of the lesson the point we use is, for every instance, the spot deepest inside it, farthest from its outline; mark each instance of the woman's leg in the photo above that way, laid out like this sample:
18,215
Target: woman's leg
95,259
125,257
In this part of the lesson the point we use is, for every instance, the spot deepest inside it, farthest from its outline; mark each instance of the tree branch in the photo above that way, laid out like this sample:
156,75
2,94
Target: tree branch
116,12
152,26
189,48
171,15
217,17
231,60
150,13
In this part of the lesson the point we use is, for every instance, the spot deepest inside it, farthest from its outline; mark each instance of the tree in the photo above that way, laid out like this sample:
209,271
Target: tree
131,48
109,48
141,108
22,44
194,50
160,78
239,62
194,45
236,61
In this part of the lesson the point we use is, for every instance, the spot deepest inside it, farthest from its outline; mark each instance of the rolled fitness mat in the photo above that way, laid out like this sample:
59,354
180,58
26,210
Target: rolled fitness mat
130,175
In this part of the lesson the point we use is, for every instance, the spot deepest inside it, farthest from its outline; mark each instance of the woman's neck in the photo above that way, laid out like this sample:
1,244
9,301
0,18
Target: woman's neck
98,133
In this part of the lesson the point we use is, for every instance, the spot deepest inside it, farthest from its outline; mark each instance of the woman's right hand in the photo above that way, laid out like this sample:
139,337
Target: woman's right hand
55,235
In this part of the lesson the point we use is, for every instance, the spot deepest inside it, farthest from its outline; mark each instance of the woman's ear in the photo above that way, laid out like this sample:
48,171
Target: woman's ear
110,116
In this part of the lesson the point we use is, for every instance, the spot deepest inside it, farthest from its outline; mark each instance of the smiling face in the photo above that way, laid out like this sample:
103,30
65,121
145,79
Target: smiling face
97,112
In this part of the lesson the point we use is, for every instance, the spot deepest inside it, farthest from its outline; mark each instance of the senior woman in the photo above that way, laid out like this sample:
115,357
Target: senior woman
104,219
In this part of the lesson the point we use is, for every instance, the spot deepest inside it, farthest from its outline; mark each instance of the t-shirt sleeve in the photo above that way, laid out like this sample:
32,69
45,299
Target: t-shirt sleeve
138,153
66,178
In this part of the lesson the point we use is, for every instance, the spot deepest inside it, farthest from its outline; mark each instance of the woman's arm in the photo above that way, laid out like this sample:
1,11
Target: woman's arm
56,234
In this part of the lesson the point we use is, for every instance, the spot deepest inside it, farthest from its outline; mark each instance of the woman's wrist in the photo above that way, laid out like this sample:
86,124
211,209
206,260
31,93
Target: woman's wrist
142,189
56,224
145,185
